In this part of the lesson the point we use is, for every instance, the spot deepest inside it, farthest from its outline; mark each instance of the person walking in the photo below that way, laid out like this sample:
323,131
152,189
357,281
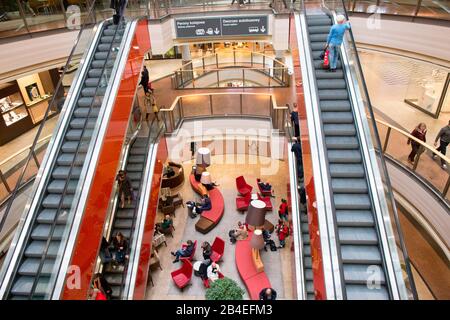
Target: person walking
334,40
420,133
145,78
444,139
283,210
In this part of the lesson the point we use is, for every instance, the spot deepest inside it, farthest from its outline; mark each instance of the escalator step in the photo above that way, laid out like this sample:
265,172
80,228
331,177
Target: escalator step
123,223
338,129
140,143
338,105
112,32
84,112
348,143
87,102
134,175
125,213
43,232
30,267
78,123
354,218
363,292
308,262
318,22
136,159
308,275
114,279
138,151
329,94
136,184
95,73
63,172
92,82
331,84
342,170
337,117
344,156
91,92
66,159
349,185
318,64
352,201
52,201
360,254
77,134
135,167
319,29
357,236
101,63
48,216
360,274
24,284
57,186
71,146
35,249
316,37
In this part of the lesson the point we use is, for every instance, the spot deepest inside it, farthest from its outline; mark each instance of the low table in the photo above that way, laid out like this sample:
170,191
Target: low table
196,268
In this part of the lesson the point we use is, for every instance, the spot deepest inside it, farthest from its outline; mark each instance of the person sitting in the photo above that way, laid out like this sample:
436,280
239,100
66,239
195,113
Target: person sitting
207,250
207,182
168,172
239,233
184,252
268,241
265,186
198,208
213,271
268,294
165,226
105,254
120,247
203,269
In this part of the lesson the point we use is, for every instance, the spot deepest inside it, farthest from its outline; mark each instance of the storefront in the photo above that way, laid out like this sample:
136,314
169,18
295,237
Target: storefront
23,103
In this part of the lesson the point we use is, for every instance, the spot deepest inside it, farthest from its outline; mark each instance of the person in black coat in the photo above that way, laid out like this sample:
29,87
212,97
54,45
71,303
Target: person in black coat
207,250
268,294
295,121
297,150
145,79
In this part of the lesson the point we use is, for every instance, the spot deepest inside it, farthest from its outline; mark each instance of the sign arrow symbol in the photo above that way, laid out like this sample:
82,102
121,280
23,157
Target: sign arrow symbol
263,29
217,31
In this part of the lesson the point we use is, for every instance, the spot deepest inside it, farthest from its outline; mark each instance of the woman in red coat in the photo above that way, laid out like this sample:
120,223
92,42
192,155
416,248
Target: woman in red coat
420,133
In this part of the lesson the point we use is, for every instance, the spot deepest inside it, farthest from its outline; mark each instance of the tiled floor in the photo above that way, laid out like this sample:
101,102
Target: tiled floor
277,264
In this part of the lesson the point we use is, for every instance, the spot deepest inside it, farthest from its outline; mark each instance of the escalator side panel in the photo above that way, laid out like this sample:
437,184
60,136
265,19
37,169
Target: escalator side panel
96,205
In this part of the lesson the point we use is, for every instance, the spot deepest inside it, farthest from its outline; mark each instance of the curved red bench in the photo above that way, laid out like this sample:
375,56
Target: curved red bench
254,281
210,218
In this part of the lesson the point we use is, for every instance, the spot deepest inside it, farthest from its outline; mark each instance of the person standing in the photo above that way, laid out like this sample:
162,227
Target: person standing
294,120
282,231
283,210
334,40
444,139
268,294
420,133
125,188
144,79
297,150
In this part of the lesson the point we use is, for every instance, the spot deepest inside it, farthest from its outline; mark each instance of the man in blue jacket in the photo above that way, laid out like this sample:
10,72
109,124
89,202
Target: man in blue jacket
334,40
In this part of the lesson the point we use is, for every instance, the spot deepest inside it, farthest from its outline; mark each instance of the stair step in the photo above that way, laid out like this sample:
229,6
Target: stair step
357,235
79,123
91,91
354,218
87,102
337,117
24,284
324,74
338,105
343,170
318,22
66,159
92,82
84,112
331,83
319,29
315,37
349,185
71,146
352,201
77,134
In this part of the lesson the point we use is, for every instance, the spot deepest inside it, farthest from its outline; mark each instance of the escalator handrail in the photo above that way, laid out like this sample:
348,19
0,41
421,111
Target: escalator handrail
46,115
383,163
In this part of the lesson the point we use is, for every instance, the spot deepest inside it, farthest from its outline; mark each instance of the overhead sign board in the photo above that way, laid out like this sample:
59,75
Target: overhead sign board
221,26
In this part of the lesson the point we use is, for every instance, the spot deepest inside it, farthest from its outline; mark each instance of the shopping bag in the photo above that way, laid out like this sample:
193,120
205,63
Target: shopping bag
324,56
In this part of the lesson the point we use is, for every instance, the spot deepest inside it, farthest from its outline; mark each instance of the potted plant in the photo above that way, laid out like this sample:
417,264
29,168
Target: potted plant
224,289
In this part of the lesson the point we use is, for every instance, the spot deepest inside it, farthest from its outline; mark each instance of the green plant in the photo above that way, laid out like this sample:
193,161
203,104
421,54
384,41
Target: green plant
224,289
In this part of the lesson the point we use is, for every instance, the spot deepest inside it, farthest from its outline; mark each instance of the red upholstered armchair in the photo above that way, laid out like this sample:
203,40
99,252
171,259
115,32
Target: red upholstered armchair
267,201
218,248
261,190
242,203
206,282
193,252
242,186
183,276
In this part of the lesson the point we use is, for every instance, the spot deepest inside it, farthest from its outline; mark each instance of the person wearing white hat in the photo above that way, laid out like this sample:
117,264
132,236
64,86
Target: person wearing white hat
334,40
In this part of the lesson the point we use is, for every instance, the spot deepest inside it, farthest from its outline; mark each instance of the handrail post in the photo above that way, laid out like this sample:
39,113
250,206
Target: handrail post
218,79
3,179
447,186
211,104
234,56
240,102
386,140
243,77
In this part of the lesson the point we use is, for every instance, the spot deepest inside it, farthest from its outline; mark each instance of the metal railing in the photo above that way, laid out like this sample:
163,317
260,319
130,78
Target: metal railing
396,144
224,67
237,104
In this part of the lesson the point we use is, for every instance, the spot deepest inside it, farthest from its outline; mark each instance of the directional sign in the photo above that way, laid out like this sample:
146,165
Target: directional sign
221,26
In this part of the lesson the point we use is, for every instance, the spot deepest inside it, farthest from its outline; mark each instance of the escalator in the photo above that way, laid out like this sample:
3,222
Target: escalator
125,218
34,263
358,241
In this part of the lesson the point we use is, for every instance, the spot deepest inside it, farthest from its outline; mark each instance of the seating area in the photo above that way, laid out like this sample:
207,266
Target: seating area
177,281
244,190
210,218
175,180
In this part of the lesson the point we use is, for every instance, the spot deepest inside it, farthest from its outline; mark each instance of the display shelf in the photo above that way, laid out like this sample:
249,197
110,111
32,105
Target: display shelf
39,100
13,108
